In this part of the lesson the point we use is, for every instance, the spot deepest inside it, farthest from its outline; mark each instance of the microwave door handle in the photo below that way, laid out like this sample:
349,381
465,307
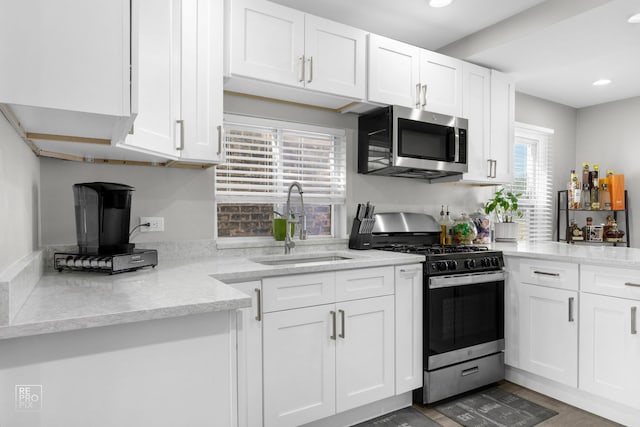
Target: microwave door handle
454,141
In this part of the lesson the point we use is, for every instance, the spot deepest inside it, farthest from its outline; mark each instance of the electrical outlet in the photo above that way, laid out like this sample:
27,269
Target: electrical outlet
156,223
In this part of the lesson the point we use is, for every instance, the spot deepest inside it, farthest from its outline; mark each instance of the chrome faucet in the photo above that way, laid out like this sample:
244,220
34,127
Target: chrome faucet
301,220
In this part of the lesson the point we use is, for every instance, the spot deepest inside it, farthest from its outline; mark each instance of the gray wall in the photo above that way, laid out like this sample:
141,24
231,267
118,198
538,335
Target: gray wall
19,194
562,119
609,135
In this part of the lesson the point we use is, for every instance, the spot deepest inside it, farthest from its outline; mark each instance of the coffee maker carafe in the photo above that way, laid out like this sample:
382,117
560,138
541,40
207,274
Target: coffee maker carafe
103,211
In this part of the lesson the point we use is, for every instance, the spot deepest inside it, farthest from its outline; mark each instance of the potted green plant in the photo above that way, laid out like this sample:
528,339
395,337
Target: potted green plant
505,206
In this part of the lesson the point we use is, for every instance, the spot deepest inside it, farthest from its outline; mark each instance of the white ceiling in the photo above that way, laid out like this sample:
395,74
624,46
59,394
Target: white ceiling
554,49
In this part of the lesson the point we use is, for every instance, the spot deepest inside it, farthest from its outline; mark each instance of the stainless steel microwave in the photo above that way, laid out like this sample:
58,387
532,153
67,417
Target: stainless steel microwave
411,143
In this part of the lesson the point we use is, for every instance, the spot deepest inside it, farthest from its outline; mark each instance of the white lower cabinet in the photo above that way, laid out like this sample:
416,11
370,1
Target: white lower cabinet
248,323
549,333
409,319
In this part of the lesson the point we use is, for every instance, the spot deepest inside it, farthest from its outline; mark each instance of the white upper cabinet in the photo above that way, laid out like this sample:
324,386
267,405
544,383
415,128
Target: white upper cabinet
441,83
401,74
394,72
66,66
276,44
488,102
179,79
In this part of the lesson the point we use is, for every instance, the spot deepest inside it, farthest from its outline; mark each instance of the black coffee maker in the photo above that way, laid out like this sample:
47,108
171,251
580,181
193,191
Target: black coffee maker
103,212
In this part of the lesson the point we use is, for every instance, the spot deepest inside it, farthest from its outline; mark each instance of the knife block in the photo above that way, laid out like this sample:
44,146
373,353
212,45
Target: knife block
360,237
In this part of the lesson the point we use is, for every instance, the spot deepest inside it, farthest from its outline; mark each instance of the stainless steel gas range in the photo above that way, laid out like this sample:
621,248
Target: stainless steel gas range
463,306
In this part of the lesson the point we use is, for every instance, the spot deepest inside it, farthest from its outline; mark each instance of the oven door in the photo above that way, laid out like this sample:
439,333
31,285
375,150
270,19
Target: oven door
464,317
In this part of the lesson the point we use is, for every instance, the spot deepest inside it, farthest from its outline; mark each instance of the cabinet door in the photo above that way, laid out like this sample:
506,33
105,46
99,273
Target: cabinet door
502,125
549,333
66,54
441,78
476,107
299,366
201,84
267,42
610,348
394,69
364,352
158,77
408,327
335,57
249,357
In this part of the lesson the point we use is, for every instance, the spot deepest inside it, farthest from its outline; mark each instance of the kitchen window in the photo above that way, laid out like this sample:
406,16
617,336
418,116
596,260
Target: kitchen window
263,157
533,178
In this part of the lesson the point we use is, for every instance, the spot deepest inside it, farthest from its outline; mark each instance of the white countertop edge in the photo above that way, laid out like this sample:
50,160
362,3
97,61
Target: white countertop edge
65,325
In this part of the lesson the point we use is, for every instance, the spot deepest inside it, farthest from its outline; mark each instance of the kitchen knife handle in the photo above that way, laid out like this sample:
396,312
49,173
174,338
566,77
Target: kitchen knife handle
424,95
258,304
341,323
418,95
571,309
634,323
333,321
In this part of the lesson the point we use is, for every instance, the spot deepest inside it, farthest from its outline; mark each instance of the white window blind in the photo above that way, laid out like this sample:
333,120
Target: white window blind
533,178
264,156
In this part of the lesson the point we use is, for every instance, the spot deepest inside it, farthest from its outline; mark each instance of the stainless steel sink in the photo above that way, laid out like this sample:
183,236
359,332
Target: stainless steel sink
300,259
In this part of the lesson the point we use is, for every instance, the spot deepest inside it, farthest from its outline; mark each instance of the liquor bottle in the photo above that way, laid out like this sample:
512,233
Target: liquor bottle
595,189
573,195
605,197
585,174
585,197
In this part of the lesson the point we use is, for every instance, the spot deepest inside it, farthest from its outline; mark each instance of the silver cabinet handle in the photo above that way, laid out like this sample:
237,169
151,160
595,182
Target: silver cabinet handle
259,304
424,95
181,124
489,168
410,272
634,325
333,320
418,95
342,314
310,61
632,284
544,273
219,140
301,75
495,169
571,309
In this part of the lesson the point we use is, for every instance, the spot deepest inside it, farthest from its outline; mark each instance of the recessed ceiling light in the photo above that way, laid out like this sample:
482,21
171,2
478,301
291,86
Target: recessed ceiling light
439,3
601,82
634,19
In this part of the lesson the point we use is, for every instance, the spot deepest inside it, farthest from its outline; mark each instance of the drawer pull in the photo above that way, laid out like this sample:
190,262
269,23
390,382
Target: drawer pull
634,325
333,321
571,309
411,272
259,304
637,285
342,314
470,371
545,273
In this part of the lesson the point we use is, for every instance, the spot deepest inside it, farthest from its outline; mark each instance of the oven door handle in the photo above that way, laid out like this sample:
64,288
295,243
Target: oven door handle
465,279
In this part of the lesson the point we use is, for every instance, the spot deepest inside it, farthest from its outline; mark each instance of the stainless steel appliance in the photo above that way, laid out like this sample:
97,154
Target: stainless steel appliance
463,321
102,212
411,143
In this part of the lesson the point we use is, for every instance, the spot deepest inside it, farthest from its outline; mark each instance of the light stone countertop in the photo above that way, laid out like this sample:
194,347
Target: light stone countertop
604,255
71,300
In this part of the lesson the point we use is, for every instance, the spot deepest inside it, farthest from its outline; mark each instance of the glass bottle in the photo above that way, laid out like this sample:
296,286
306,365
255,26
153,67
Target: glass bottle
585,174
448,224
573,195
443,226
585,197
605,197
595,189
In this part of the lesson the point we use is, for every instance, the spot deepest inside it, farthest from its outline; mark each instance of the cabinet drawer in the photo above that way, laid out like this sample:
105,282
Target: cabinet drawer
554,274
617,282
364,283
298,290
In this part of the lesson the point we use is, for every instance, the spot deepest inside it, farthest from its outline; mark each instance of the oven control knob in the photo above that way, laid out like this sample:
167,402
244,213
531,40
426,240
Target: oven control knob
452,265
470,263
495,261
442,265
486,262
